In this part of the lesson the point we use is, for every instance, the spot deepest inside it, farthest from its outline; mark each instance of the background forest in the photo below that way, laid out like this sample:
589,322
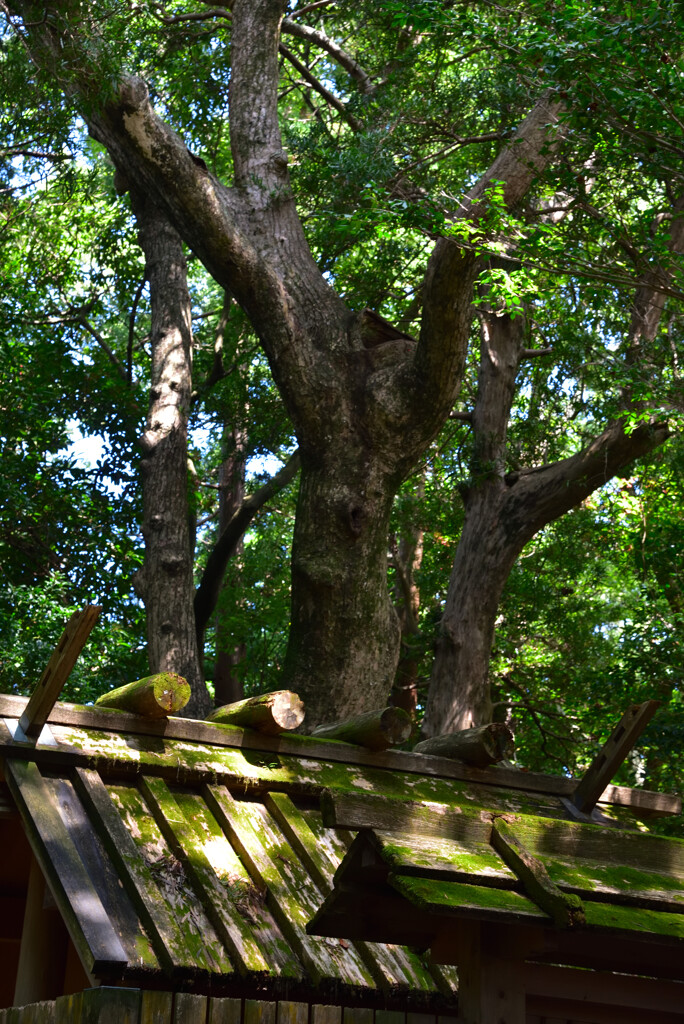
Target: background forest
390,113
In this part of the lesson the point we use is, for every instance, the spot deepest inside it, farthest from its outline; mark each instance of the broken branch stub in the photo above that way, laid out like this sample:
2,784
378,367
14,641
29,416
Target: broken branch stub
270,713
154,696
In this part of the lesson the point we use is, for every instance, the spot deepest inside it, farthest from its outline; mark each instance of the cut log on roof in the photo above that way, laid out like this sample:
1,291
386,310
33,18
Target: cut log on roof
154,696
376,730
270,713
487,744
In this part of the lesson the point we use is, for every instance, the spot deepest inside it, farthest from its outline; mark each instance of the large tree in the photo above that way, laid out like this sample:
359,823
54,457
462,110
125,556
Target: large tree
422,148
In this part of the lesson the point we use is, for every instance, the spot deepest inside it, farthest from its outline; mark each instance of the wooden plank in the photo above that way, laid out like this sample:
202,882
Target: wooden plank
437,897
225,1011
392,967
156,1007
390,1017
107,1005
292,1013
408,817
167,938
622,884
490,987
610,757
650,804
101,868
189,1008
200,946
474,862
364,1015
68,1009
565,909
42,1012
291,893
321,1014
632,993
96,941
300,746
257,1011
214,893
56,673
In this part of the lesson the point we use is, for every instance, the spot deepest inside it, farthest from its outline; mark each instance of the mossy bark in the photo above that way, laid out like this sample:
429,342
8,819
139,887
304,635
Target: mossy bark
155,696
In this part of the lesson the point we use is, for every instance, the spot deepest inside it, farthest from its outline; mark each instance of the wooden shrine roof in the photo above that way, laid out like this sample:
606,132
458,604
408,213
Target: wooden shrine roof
197,854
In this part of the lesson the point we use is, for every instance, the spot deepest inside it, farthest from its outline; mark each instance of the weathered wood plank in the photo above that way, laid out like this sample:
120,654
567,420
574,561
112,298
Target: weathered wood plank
434,857
488,904
258,1011
321,1014
77,717
610,883
363,1015
156,696
565,909
291,893
214,893
375,730
92,933
225,1011
642,800
269,713
134,872
408,817
292,1013
391,966
156,1007
390,1017
248,899
603,988
110,1006
68,1009
189,1008
71,643
42,1012
198,944
560,839
40,970
610,757
98,863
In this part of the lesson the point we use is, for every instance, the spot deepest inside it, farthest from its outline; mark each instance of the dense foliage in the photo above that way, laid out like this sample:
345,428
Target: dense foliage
591,618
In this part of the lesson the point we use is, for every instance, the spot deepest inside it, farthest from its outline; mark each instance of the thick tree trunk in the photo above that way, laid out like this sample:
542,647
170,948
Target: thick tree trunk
166,580
343,627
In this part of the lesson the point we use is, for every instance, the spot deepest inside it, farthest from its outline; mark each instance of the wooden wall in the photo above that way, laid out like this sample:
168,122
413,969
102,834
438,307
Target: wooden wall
131,1006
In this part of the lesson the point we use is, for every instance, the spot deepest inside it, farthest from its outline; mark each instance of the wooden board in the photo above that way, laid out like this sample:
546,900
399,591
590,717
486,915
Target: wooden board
479,901
98,945
71,643
133,869
291,893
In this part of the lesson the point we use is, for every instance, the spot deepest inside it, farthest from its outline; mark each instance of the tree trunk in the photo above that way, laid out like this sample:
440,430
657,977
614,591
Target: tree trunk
227,682
166,579
407,555
504,511
343,627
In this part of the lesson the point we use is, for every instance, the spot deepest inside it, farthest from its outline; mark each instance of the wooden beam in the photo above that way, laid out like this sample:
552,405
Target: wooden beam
57,670
642,801
610,757
156,696
98,946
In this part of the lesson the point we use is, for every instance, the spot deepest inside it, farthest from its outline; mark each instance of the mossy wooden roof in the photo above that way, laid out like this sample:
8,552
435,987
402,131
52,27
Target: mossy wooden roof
196,855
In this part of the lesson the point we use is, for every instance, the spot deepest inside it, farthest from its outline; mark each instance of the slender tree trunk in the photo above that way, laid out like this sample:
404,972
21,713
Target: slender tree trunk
504,511
227,682
166,580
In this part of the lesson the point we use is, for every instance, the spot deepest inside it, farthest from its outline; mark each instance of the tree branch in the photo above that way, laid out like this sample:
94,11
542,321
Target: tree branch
209,588
328,96
344,59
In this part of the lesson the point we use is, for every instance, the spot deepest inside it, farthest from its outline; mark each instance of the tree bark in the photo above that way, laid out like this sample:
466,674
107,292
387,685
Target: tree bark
165,582
503,512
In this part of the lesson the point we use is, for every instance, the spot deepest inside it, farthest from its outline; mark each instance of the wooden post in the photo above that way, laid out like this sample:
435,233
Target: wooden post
42,954
46,693
154,696
610,757
376,730
270,713
491,986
